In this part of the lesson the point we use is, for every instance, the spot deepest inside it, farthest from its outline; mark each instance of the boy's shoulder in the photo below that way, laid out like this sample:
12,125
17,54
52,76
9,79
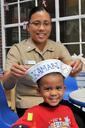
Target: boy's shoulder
33,109
66,104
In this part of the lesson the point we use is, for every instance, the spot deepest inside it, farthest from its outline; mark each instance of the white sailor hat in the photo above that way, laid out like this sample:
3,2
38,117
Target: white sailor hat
48,66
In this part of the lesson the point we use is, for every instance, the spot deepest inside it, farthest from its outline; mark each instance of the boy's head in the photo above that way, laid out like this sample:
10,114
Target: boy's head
49,76
51,87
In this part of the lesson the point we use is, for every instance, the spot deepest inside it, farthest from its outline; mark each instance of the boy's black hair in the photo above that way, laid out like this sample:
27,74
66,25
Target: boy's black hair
37,9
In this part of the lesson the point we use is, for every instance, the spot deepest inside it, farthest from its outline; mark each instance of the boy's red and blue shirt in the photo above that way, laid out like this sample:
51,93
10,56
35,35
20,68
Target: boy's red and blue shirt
42,116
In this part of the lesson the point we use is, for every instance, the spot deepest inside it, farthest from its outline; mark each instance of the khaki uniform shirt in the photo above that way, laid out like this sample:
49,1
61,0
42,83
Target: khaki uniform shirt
27,53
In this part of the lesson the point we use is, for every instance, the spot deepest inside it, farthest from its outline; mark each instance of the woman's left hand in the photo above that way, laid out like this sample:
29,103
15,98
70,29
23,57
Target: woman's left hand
76,67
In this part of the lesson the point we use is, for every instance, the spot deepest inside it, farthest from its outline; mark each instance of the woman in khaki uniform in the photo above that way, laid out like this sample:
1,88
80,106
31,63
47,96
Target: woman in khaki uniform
23,55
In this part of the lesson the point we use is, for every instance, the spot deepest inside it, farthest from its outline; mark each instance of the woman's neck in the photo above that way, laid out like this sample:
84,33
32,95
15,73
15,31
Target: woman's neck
40,45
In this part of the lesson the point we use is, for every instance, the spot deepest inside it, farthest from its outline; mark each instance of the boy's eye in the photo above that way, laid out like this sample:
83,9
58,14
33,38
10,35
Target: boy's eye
48,88
59,88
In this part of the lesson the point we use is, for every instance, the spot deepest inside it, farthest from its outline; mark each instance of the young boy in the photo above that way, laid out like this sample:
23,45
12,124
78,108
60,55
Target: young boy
49,76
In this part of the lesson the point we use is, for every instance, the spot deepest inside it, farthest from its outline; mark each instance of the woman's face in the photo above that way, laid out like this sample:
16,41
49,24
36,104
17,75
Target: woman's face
52,89
40,27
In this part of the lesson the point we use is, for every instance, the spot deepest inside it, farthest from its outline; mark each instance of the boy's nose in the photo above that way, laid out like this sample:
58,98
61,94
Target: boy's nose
54,92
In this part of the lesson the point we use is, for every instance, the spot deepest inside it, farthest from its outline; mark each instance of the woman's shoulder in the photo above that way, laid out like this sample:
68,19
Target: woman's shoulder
55,44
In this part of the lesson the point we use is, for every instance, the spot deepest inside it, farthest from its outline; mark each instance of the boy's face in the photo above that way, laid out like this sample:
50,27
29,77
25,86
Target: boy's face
52,89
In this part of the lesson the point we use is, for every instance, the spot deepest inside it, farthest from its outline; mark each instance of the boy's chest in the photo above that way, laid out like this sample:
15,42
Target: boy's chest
51,120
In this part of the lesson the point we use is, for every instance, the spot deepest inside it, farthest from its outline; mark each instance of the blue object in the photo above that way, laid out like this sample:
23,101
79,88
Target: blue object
7,116
1,71
81,79
71,85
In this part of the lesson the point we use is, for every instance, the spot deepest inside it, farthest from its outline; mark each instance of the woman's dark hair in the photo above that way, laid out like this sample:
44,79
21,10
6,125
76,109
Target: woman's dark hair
37,9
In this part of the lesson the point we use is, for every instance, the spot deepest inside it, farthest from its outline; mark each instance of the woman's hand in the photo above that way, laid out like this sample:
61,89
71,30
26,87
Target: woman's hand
18,70
77,67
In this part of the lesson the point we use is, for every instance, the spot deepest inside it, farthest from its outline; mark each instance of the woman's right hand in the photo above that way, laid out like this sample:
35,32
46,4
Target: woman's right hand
18,70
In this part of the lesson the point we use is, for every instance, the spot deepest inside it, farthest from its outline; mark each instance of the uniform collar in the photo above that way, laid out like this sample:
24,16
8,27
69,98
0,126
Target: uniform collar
32,46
